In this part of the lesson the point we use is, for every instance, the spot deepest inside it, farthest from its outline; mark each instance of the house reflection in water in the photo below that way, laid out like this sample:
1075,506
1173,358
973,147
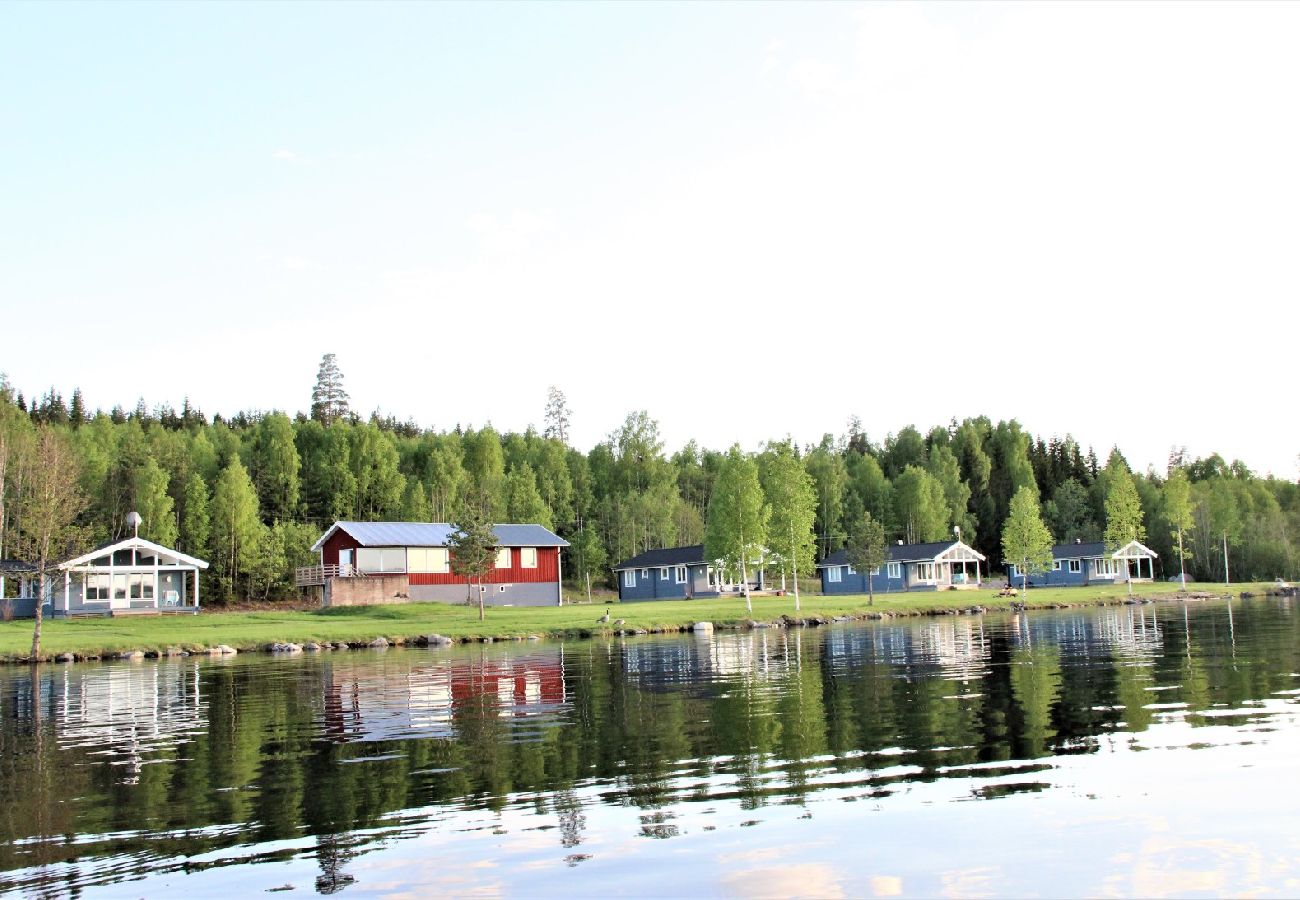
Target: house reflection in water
376,701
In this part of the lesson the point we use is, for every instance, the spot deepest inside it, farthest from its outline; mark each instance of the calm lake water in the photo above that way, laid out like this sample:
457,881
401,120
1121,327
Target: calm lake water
1147,750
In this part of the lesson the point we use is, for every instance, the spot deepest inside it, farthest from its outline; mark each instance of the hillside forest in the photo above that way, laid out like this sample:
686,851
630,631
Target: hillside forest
252,492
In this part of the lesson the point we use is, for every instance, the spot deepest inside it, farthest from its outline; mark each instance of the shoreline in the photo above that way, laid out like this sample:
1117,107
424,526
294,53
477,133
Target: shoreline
433,625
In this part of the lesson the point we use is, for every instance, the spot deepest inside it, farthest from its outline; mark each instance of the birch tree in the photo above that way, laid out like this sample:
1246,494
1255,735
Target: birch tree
866,549
47,512
736,531
1178,510
793,499
1026,542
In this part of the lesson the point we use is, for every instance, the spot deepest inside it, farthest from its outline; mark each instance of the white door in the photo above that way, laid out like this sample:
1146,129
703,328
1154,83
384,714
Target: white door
345,562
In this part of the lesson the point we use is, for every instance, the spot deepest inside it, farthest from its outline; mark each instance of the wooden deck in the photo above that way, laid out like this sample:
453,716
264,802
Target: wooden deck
114,613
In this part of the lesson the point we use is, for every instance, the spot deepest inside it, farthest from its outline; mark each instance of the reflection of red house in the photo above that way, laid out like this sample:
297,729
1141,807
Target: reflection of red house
375,704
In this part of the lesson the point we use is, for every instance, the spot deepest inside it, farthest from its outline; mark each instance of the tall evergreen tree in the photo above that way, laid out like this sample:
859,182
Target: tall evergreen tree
557,415
329,401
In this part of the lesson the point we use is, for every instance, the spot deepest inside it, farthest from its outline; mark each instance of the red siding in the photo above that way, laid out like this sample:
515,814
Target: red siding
339,540
548,570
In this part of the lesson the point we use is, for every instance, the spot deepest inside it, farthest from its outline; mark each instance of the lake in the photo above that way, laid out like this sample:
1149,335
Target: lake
1148,750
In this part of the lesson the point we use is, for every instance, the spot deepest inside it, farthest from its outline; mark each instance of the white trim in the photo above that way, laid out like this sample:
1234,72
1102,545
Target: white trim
137,544
1122,552
1076,566
681,574
834,574
1056,564
523,558
629,578
894,570
663,573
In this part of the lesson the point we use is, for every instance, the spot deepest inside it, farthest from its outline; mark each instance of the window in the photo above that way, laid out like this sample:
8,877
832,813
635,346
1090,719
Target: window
381,559
1075,567
1014,572
712,576
833,574
895,570
663,574
876,570
629,578
501,588
645,573
849,570
503,558
427,559
119,587
1056,565
925,571
1107,567
528,558
681,574
96,587
141,586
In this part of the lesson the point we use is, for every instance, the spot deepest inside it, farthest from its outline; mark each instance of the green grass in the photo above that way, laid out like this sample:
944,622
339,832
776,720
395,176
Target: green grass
254,630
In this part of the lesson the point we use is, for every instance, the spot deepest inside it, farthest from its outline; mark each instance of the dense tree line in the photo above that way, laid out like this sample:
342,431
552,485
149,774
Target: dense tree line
251,493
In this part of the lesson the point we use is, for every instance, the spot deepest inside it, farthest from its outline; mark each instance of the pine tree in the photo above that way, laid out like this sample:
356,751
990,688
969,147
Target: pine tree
329,401
557,415
473,547
77,415
866,550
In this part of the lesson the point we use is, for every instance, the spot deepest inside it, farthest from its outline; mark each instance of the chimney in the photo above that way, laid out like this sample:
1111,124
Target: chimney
900,542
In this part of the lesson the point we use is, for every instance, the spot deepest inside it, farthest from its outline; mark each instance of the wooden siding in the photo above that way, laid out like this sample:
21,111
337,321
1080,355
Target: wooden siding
339,540
548,570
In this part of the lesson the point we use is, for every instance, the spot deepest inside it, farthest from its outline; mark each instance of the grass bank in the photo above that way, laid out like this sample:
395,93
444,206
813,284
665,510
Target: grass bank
246,631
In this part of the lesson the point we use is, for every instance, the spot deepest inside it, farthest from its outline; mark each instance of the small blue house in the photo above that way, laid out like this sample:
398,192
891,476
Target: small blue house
1082,563
939,566
675,573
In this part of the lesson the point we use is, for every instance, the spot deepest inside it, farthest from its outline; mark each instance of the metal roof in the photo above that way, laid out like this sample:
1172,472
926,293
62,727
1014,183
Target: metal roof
668,556
899,553
435,534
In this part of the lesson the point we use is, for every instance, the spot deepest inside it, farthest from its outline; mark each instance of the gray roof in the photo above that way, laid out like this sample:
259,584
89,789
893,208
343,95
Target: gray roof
668,556
1085,550
895,553
435,534
16,567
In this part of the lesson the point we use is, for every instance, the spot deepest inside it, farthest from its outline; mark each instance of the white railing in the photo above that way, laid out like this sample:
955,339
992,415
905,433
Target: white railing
307,576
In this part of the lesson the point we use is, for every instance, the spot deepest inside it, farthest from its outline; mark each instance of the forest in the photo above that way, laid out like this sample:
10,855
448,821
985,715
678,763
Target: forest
250,493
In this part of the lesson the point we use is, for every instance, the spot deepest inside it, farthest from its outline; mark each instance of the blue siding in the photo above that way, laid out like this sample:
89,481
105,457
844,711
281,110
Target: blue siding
654,587
1053,578
857,582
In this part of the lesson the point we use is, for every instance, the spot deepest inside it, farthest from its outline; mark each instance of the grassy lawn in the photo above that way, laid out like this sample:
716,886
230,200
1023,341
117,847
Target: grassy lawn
254,630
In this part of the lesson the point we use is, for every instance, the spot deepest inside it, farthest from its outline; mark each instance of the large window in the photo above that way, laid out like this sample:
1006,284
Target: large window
503,558
894,570
381,560
528,558
1075,567
629,578
435,560
141,586
834,574
96,587
681,574
1107,567
925,571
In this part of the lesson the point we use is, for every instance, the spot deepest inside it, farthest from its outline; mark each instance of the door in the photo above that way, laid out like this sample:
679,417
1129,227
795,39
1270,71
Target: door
345,562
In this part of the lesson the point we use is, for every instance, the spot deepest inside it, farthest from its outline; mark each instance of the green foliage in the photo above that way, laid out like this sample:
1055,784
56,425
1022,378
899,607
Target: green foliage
736,530
196,522
1026,542
236,527
920,507
329,401
866,549
1123,507
154,505
793,499
473,548
524,502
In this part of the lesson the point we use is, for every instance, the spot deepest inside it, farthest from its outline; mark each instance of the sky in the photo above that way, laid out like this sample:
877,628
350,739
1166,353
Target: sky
752,220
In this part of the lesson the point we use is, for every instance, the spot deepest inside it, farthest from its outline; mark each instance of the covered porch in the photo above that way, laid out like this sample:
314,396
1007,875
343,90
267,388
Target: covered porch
130,577
1134,562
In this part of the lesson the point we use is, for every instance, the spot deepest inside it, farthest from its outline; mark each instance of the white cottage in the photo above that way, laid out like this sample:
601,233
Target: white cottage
132,575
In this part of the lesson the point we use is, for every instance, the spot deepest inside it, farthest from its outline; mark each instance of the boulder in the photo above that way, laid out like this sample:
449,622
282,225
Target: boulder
226,650
702,626
311,646
65,657
437,640
131,654
379,643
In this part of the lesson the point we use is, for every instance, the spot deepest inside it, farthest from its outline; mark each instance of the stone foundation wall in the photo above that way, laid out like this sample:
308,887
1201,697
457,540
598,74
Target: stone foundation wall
372,590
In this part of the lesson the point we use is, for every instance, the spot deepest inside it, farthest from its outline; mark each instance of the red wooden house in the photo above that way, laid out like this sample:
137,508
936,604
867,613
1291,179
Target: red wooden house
380,562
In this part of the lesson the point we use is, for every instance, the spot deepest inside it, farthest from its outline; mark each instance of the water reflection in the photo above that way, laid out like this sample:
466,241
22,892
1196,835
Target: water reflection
318,771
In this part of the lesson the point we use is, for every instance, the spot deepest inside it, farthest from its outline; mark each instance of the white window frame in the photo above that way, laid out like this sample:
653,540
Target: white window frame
1076,566
629,578
924,566
895,570
848,570
681,574
528,557
834,574
875,571
663,573
645,573
1056,565
503,552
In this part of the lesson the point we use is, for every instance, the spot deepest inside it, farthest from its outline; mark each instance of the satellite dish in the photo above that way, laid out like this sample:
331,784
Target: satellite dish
133,520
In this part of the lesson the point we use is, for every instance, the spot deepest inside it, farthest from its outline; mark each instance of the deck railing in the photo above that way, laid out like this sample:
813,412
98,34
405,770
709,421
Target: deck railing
308,576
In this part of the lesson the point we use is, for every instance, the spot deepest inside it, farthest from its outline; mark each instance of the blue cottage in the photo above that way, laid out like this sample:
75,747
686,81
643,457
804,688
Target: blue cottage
939,566
675,573
1083,563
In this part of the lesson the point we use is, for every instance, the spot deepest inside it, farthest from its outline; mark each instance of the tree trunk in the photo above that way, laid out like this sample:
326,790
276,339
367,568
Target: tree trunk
871,589
40,603
1182,563
481,592
794,564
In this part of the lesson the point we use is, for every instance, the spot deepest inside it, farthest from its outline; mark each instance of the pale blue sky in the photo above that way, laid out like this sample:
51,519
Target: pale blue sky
749,219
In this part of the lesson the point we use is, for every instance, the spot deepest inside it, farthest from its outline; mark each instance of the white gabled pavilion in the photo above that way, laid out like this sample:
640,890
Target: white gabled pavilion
131,575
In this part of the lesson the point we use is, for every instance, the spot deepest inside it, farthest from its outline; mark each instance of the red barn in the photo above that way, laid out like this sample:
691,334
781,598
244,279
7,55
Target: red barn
380,562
